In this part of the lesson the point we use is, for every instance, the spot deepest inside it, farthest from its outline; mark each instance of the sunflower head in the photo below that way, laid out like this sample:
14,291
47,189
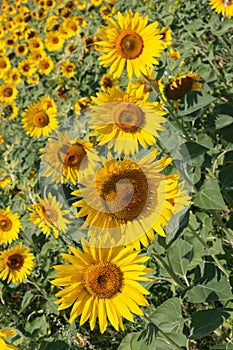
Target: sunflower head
179,86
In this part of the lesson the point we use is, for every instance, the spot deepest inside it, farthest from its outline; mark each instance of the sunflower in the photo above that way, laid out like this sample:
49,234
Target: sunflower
27,67
5,333
130,42
4,181
128,200
45,65
67,160
21,49
124,120
35,44
108,81
173,54
68,68
16,263
13,76
39,119
9,111
81,104
102,282
69,28
49,215
54,41
225,7
9,226
166,36
5,65
8,93
180,85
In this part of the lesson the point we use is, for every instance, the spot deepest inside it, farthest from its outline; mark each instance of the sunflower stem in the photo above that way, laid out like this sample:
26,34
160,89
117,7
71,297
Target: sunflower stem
176,119
164,335
176,279
219,221
217,261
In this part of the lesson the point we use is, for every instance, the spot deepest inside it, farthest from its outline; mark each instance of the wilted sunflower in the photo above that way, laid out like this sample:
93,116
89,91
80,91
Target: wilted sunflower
104,283
225,7
67,160
16,263
5,333
130,43
128,200
125,119
180,85
49,215
40,118
9,226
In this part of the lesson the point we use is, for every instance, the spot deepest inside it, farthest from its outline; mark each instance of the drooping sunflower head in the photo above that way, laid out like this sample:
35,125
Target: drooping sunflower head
16,264
131,43
104,284
180,85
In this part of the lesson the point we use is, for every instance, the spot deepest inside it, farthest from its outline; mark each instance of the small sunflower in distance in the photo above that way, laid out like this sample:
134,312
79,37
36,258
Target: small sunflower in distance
9,226
128,200
67,160
68,68
5,333
225,7
49,215
131,43
40,118
16,264
102,282
125,119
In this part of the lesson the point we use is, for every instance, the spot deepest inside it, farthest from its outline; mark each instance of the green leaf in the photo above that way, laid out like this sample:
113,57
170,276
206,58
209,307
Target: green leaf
226,178
210,285
168,316
205,322
196,152
53,344
209,196
201,102
180,255
223,120
27,299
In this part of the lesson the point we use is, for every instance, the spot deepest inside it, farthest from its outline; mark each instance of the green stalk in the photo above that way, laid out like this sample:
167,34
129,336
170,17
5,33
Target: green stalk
169,270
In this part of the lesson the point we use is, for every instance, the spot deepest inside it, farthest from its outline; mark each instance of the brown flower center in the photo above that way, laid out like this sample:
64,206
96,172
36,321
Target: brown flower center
41,119
129,44
75,155
50,214
26,68
8,92
177,89
128,117
15,261
3,64
55,40
5,224
125,194
103,280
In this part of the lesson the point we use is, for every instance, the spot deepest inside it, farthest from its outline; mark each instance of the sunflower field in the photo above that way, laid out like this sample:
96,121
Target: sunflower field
116,185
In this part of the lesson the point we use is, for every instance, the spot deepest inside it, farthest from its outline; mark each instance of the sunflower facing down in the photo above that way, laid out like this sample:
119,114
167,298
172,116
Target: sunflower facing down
125,119
131,43
9,226
102,283
180,85
67,160
128,200
5,333
225,7
16,264
40,118
49,215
